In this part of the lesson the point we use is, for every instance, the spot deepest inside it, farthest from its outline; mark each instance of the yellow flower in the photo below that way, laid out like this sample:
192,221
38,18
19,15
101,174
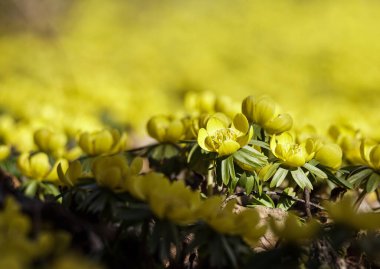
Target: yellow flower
37,166
218,137
264,112
141,186
349,139
292,154
5,151
370,153
175,202
48,141
113,171
329,154
203,102
201,121
293,229
102,142
73,173
343,212
165,129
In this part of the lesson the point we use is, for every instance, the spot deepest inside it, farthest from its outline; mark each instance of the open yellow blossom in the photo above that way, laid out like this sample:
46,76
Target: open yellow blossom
264,112
37,166
165,129
292,154
218,137
201,121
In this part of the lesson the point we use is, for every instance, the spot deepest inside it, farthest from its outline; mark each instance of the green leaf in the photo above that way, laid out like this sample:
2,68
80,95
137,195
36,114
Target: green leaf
250,157
230,253
233,184
250,181
263,199
272,169
372,183
357,178
301,179
337,180
163,151
286,202
259,143
231,167
192,151
225,173
133,215
50,189
31,188
278,177
315,170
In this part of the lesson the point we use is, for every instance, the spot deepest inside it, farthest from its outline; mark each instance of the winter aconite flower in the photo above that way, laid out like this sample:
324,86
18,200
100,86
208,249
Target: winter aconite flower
329,154
264,112
370,153
5,151
50,142
292,154
72,174
37,166
222,139
112,171
102,142
165,129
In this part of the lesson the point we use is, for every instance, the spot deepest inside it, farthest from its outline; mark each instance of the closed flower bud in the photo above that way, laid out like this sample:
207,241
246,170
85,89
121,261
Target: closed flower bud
279,124
102,142
329,155
264,110
375,157
164,129
248,107
203,102
48,141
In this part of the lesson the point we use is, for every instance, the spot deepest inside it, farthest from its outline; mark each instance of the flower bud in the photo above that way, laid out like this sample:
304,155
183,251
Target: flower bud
163,129
248,107
279,124
264,111
48,141
375,157
101,142
329,155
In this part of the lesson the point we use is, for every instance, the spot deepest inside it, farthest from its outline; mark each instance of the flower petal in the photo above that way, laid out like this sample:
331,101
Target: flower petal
243,140
241,123
228,147
202,135
214,124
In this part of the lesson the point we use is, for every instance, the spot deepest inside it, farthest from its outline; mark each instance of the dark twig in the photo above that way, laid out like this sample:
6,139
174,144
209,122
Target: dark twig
307,203
283,194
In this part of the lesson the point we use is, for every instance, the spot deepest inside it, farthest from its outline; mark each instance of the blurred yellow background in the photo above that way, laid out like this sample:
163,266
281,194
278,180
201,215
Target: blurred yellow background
80,63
